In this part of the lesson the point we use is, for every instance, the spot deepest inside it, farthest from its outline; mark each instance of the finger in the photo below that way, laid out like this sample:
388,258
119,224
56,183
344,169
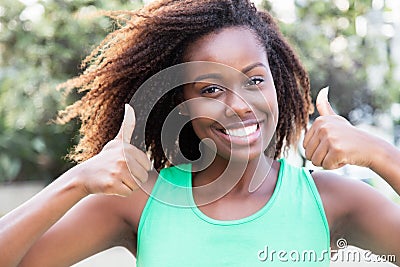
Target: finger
331,162
130,182
142,159
123,190
312,131
128,125
319,154
116,188
139,174
135,169
311,146
322,102
308,136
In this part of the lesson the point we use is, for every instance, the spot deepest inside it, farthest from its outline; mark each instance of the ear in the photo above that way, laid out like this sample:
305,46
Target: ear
183,109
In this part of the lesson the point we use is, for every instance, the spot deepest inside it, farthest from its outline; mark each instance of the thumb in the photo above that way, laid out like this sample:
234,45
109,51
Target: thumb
322,102
128,125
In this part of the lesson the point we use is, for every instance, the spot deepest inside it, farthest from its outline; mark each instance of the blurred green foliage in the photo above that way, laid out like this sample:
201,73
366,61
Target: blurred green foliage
346,45
42,44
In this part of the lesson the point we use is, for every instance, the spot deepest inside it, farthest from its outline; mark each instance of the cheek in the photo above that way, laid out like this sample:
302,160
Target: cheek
267,103
204,108
200,126
265,100
203,113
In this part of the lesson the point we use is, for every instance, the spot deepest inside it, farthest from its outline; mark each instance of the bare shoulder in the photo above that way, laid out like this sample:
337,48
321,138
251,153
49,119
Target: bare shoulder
335,192
134,204
128,209
356,211
334,187
121,213
341,194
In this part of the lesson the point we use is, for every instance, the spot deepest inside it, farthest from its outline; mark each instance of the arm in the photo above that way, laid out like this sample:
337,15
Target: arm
357,212
96,223
111,172
386,162
333,142
21,228
360,214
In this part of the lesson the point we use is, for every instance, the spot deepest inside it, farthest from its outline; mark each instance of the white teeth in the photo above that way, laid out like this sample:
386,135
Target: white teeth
241,132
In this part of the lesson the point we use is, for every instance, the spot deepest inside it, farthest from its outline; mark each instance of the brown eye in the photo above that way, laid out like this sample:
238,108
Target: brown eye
211,90
254,81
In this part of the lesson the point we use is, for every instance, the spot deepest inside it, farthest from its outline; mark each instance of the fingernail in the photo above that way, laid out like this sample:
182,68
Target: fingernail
324,92
126,110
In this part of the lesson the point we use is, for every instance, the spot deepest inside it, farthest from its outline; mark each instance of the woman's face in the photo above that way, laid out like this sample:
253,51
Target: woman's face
232,102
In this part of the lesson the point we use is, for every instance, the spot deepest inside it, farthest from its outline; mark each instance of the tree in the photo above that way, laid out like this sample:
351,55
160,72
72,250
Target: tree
346,45
42,44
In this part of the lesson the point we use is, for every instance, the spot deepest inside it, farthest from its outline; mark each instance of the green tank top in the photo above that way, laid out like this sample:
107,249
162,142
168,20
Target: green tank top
290,230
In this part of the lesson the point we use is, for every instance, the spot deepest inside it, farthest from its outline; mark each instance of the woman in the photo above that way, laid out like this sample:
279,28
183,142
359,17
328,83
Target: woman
251,101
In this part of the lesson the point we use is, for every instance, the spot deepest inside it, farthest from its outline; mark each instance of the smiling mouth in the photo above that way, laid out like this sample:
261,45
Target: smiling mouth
241,132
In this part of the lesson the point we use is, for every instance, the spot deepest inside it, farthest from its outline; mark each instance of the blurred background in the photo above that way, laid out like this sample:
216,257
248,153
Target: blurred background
348,45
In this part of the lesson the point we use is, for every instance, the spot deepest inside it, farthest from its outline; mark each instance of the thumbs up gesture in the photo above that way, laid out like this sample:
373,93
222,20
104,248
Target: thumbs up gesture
332,141
119,167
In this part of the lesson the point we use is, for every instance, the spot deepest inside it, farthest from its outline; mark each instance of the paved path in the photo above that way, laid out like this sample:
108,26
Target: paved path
113,257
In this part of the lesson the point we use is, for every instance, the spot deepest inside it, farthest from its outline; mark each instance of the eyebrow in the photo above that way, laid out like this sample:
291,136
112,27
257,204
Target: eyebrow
208,76
252,66
218,76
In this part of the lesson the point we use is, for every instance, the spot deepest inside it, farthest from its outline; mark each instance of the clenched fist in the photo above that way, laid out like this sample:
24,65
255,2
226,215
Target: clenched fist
332,141
119,167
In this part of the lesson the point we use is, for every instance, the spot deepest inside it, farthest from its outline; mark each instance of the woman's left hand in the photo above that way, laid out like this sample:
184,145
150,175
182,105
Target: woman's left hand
333,142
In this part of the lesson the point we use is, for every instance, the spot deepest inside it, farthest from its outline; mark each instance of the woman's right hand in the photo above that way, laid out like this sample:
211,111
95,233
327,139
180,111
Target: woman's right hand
116,170
119,167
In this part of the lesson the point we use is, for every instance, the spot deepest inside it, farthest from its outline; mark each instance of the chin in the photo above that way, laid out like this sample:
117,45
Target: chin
244,154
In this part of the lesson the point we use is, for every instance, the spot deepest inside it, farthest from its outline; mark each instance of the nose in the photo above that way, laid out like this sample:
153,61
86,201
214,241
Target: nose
236,105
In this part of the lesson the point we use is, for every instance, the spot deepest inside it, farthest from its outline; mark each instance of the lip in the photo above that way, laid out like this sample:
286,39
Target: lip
240,140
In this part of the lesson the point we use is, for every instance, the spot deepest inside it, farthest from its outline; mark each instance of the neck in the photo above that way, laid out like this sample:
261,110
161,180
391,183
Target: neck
227,177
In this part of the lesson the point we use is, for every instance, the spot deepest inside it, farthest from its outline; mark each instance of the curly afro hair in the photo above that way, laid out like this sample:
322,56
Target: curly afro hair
154,38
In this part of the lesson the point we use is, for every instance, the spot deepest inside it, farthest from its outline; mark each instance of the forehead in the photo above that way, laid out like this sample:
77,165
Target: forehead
236,47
